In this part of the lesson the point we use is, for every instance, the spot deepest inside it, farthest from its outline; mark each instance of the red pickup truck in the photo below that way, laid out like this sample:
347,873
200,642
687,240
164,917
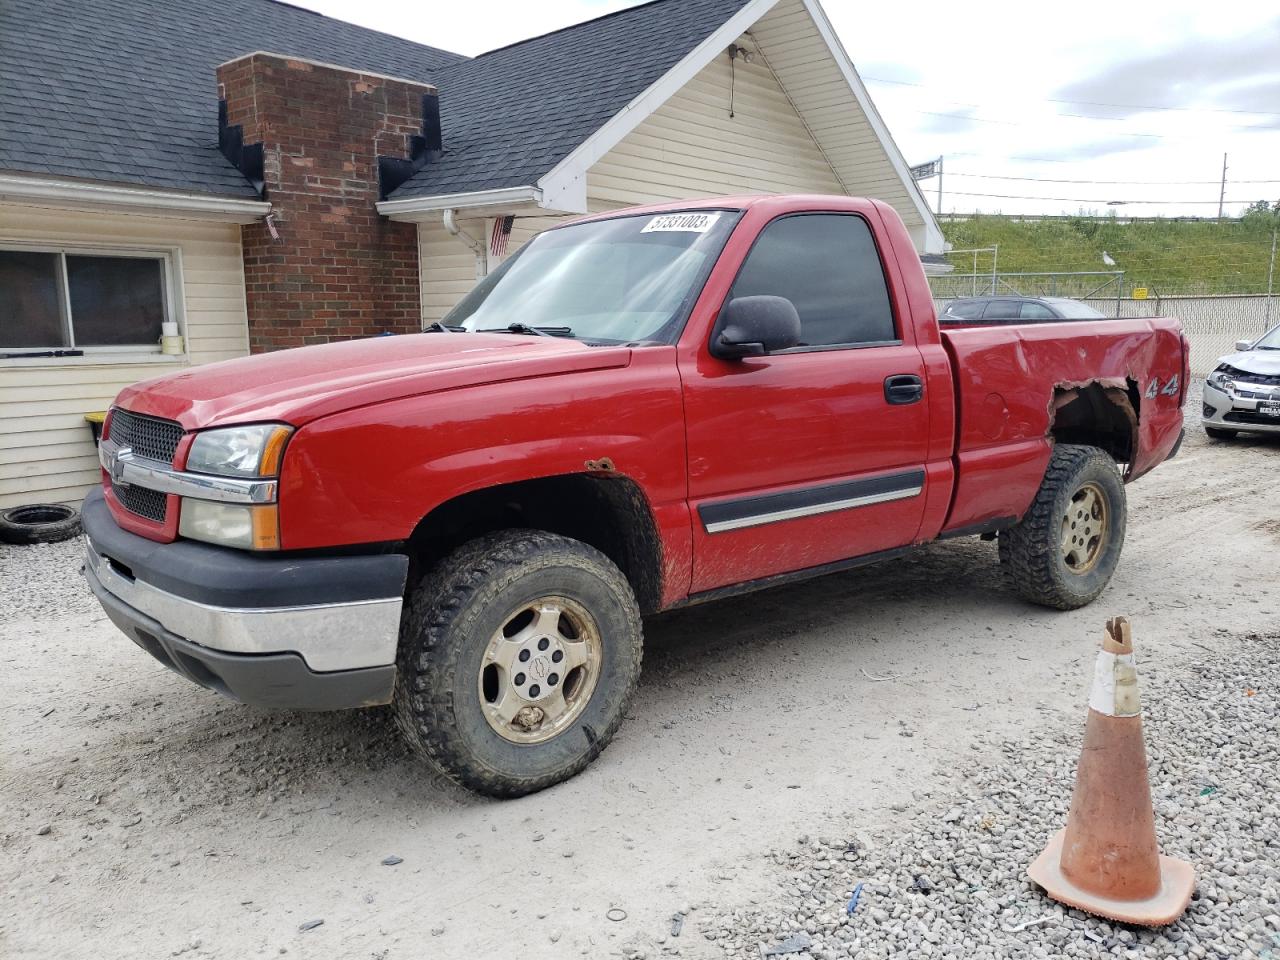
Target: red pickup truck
639,410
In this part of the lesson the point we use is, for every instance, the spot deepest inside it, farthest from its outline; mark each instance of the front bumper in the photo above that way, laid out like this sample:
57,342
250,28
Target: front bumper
303,633
1224,411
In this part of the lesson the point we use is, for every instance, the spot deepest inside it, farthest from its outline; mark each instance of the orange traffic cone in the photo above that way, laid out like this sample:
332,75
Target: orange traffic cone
1106,861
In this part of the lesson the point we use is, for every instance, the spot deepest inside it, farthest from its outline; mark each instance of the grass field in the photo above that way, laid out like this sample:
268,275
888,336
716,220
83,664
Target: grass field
1166,256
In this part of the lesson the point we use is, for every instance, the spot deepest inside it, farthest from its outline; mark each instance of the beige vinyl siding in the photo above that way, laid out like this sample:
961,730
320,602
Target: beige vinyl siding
46,451
790,43
689,147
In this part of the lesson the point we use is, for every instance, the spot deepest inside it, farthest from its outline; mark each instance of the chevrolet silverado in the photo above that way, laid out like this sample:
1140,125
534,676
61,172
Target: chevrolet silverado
638,410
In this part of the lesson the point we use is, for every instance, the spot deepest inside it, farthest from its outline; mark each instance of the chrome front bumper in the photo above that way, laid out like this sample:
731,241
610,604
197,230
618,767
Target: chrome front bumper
317,632
1238,410
328,636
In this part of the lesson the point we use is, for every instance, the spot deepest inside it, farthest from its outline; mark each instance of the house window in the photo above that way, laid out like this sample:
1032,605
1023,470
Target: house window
78,300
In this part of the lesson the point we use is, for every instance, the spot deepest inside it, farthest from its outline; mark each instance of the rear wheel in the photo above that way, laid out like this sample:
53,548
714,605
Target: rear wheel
1217,433
1064,550
518,656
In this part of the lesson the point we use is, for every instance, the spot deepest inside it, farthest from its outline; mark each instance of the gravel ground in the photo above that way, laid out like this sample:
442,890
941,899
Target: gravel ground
40,581
141,816
953,883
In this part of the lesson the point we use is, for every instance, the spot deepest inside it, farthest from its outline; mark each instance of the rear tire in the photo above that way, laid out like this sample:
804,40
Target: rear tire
1217,433
472,648
1064,550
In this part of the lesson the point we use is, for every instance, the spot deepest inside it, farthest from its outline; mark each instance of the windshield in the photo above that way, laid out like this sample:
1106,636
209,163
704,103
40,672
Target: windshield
621,280
1270,340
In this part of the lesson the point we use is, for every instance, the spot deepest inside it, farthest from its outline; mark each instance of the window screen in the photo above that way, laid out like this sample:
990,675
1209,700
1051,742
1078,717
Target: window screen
61,300
30,303
115,301
828,266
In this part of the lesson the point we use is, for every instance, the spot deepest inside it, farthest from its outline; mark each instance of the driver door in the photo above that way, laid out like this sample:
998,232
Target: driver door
805,457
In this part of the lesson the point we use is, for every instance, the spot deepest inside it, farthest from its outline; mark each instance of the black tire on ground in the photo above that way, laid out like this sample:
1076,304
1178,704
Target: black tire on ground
450,617
39,523
1031,553
1217,433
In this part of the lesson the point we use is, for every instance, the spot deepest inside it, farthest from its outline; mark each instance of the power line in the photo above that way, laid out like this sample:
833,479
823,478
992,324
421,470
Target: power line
1002,156
1007,196
1023,123
1096,103
1171,183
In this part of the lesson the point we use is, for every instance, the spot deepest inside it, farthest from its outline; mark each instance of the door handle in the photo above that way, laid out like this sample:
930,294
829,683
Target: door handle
903,388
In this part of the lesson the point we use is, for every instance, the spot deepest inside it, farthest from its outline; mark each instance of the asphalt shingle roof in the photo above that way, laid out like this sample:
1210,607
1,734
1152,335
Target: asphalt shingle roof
123,90
510,115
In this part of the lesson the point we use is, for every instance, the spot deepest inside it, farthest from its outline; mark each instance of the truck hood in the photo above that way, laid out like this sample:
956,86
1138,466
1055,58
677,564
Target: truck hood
1266,362
300,385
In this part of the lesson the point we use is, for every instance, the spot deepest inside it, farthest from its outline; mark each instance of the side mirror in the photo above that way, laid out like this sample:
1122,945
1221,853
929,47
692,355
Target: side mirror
754,326
1243,345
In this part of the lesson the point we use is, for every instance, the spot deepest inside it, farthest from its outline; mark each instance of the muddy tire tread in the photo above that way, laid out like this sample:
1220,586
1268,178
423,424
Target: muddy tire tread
424,699
1028,551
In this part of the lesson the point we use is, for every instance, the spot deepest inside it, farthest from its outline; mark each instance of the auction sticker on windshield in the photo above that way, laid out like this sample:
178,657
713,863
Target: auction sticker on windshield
681,223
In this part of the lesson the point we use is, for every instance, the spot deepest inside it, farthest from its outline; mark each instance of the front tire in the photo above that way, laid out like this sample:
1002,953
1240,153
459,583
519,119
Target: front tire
1064,550
1217,433
519,655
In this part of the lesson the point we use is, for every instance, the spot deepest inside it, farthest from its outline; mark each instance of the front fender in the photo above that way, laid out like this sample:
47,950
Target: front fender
369,475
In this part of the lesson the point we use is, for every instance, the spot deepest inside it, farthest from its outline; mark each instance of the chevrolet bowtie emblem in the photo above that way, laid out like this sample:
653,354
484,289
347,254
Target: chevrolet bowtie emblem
115,465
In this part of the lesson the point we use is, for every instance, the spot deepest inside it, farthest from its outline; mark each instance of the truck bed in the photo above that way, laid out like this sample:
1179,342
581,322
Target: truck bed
1010,380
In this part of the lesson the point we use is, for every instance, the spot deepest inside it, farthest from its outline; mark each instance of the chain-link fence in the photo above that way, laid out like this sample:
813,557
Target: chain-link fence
1220,277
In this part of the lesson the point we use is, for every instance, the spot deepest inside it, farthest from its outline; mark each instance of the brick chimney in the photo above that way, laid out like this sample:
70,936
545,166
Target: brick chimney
313,135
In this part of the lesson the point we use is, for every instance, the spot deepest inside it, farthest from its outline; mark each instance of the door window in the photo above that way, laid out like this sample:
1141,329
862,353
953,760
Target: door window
827,265
1001,310
1037,311
965,311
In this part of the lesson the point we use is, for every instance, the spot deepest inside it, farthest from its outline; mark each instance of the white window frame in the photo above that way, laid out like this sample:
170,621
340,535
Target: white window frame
171,284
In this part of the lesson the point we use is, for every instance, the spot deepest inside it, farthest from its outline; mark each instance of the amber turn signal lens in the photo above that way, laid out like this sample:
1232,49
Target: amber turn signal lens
266,526
273,452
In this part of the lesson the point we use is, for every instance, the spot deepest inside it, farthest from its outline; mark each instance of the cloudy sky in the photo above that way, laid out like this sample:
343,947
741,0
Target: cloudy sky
1081,106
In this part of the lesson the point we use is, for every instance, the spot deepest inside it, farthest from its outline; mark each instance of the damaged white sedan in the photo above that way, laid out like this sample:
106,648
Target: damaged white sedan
1243,391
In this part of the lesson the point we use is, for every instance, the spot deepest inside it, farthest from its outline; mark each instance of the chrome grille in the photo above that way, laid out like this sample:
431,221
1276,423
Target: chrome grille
150,504
149,437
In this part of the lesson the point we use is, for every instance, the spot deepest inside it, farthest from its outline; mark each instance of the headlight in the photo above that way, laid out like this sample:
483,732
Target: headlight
1221,380
252,452
239,451
231,524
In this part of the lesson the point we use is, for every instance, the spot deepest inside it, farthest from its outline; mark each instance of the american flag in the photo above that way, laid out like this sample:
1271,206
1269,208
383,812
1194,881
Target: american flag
501,234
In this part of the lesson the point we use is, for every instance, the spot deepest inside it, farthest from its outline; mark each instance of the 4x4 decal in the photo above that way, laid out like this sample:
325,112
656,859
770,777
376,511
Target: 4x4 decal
1170,388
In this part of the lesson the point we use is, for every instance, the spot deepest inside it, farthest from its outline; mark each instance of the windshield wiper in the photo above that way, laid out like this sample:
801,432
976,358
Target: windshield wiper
532,331
435,326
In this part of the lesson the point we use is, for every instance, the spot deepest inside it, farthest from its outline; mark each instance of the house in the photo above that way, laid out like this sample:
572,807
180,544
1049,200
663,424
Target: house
258,176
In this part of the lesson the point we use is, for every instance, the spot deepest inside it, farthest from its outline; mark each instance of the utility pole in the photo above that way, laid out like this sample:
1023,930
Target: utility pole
1223,192
939,186
1271,274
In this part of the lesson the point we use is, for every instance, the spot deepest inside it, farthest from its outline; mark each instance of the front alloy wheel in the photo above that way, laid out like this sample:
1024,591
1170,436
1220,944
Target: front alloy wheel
540,669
